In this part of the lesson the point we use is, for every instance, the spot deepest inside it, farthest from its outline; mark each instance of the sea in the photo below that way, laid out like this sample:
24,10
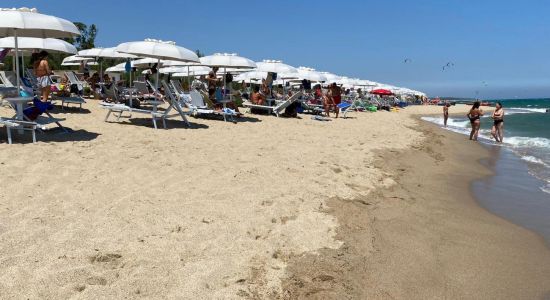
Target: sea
520,189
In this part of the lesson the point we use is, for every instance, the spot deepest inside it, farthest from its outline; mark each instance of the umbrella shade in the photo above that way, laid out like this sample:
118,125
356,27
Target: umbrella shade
120,68
275,66
52,45
104,52
382,92
29,23
227,60
158,49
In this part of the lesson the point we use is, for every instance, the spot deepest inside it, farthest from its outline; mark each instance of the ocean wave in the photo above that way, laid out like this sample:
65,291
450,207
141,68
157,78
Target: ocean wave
534,160
450,122
524,110
520,141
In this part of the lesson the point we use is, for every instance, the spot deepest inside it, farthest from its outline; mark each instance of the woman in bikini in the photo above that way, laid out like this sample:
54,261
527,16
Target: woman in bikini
328,102
498,123
446,113
42,72
474,115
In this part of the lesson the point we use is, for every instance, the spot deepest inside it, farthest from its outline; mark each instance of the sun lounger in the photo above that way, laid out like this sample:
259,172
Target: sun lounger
20,125
5,81
73,80
120,108
278,108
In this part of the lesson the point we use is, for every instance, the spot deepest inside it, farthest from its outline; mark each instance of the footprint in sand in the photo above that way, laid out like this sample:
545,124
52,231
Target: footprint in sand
96,280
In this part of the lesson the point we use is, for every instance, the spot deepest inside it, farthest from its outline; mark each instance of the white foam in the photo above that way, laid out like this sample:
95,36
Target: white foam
524,110
545,189
520,141
534,160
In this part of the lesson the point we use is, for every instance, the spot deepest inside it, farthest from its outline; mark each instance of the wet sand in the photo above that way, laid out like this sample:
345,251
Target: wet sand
425,237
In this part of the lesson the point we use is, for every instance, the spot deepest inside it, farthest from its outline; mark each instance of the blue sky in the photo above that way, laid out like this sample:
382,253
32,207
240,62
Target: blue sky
503,43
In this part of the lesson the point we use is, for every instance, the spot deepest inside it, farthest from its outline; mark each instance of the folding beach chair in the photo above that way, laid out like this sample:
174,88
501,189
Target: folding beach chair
20,125
77,87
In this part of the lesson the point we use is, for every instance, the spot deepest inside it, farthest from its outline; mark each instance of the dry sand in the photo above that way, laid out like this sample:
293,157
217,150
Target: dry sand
266,208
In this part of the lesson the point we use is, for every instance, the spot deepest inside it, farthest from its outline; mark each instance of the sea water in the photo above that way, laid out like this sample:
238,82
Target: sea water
520,190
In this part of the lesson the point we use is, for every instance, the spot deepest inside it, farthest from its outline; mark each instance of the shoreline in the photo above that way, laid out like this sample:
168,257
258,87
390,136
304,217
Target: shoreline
391,252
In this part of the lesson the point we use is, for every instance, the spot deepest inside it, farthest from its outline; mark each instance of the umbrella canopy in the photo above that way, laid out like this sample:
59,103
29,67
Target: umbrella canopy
52,45
104,52
275,66
120,68
310,74
146,62
69,64
75,59
193,71
227,60
164,50
382,92
175,63
330,77
29,23
257,75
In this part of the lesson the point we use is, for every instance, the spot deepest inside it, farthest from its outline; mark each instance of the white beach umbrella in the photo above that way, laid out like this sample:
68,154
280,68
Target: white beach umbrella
311,75
330,77
275,66
25,22
193,71
29,43
74,63
147,62
119,68
161,50
227,61
75,58
104,53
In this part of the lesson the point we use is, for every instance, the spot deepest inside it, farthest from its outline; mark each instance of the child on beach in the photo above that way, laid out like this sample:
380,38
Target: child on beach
474,115
498,123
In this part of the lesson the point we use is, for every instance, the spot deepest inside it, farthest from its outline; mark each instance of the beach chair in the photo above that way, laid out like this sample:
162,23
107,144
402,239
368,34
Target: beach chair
175,103
278,109
19,125
121,108
5,80
77,85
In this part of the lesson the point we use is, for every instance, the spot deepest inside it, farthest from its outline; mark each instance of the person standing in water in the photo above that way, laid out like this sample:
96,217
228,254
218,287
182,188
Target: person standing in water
474,115
498,123
446,113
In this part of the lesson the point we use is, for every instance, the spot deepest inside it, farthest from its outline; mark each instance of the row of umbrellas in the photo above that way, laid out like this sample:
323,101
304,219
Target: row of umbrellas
27,29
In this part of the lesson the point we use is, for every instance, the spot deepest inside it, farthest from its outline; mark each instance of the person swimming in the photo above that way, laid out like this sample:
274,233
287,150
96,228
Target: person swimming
498,123
474,115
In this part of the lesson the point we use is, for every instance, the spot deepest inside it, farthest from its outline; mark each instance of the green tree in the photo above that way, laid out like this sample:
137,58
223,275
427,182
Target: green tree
199,53
86,40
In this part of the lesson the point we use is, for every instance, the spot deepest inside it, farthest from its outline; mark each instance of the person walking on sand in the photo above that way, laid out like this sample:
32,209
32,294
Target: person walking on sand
446,113
498,123
42,72
474,115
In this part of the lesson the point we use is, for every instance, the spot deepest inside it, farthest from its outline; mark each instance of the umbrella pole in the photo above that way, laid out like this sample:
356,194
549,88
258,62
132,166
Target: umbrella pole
16,60
188,80
224,83
157,83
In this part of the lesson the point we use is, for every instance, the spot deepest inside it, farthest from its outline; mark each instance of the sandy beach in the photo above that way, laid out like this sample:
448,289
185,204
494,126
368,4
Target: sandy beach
373,206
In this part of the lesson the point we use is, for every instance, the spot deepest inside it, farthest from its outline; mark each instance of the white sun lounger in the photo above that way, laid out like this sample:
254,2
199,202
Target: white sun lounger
277,109
73,99
20,125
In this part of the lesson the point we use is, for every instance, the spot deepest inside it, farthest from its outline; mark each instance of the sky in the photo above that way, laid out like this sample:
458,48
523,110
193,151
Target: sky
500,49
